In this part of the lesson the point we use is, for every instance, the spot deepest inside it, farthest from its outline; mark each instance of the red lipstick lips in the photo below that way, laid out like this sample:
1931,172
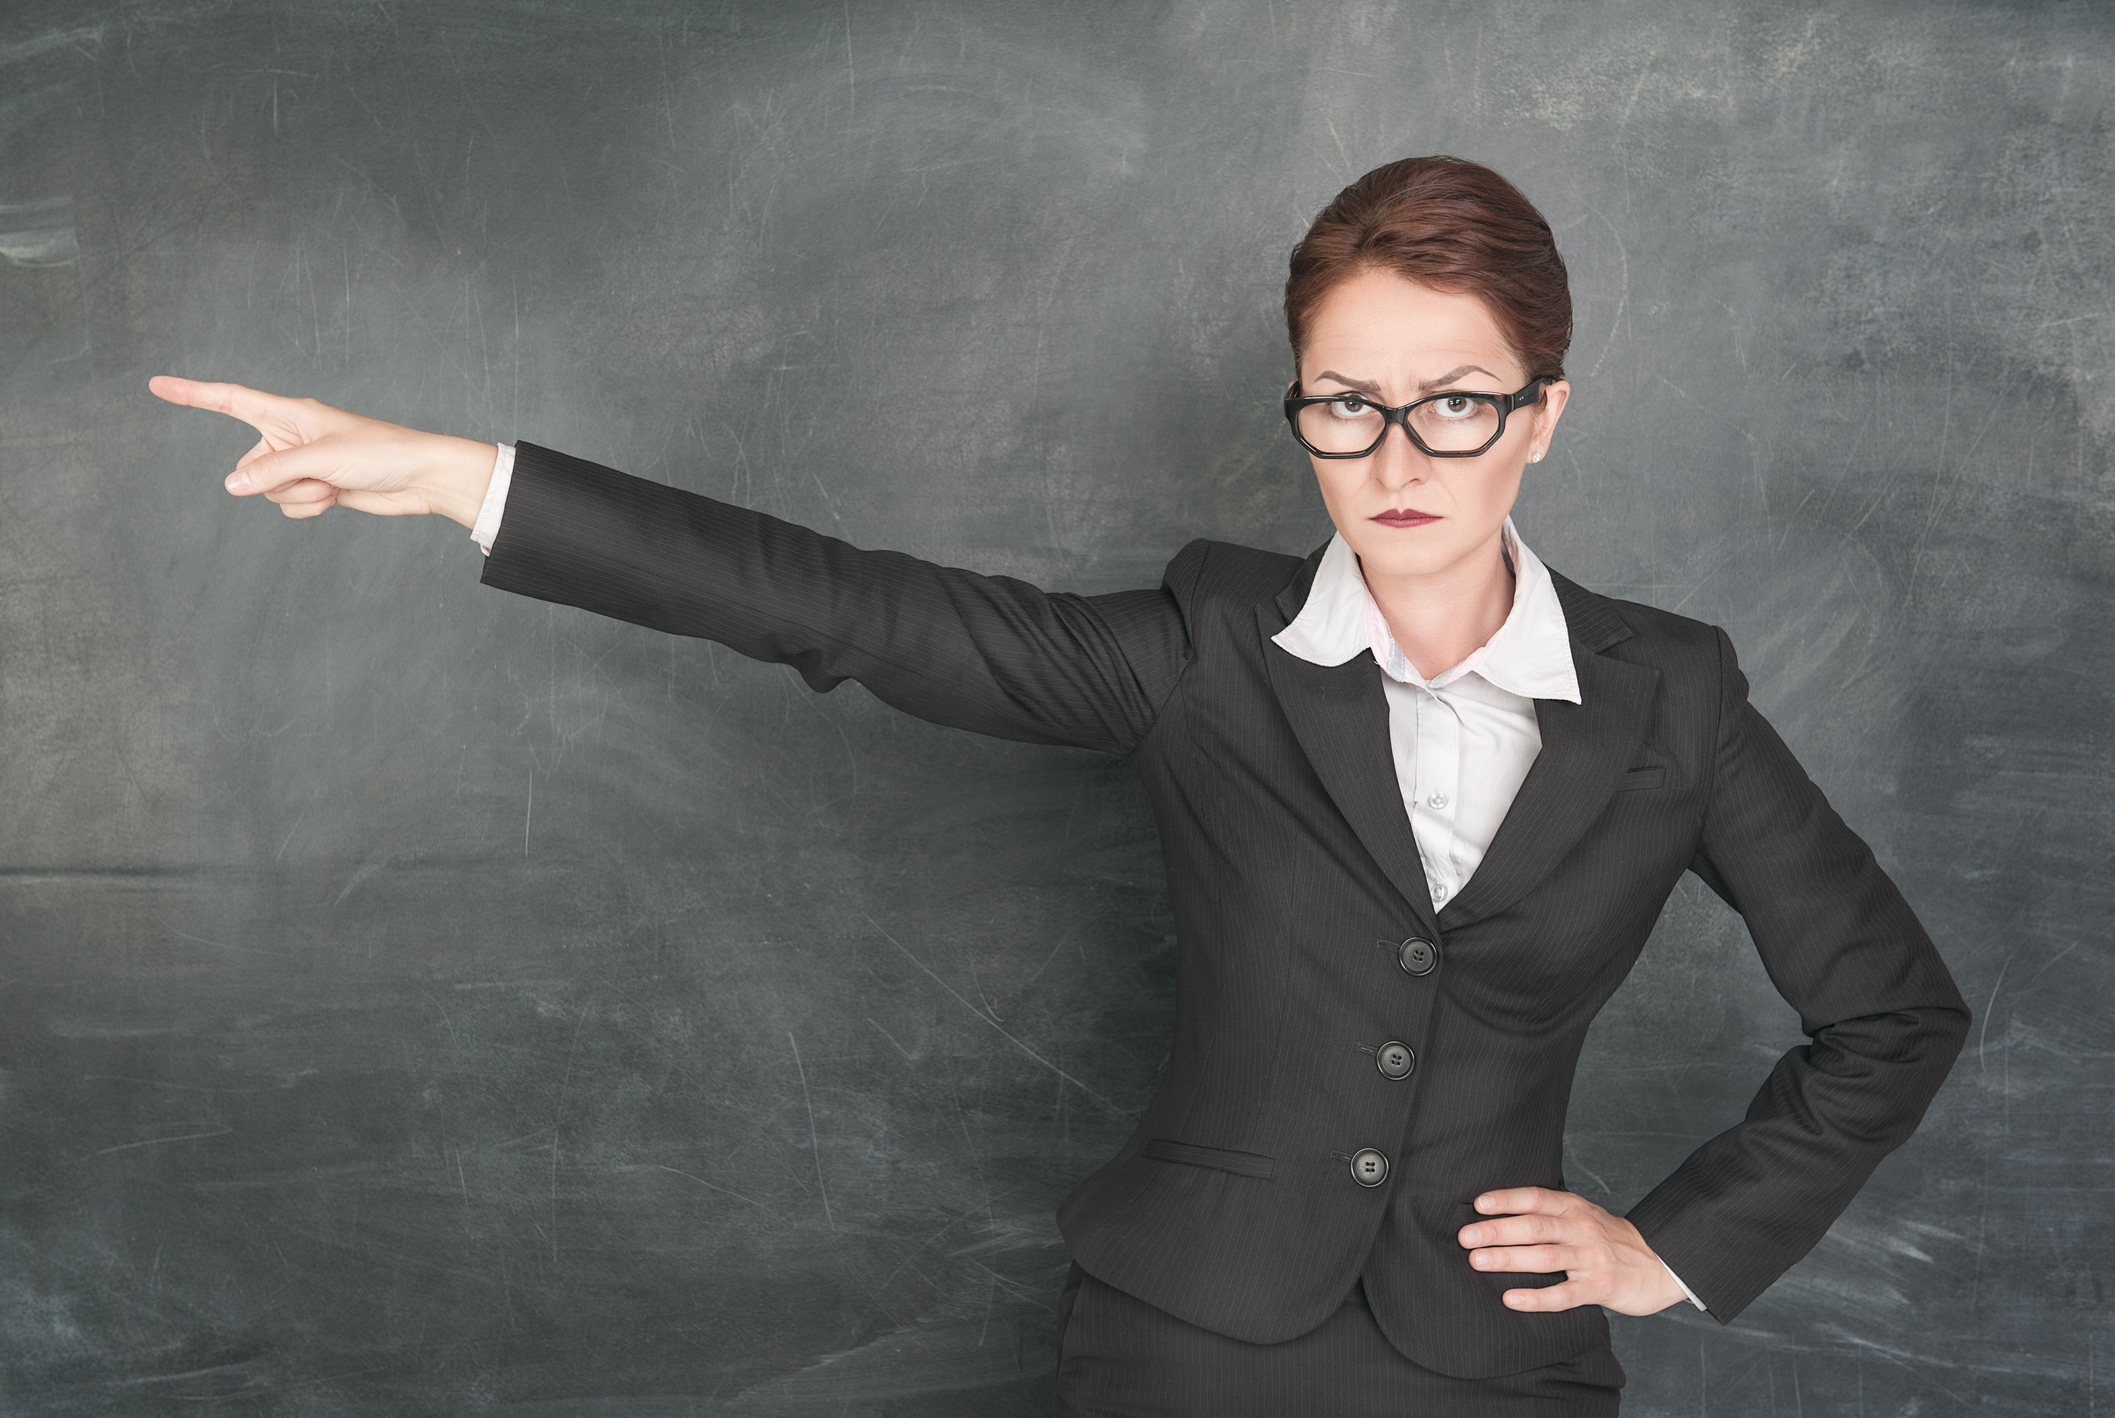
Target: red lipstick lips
1404,517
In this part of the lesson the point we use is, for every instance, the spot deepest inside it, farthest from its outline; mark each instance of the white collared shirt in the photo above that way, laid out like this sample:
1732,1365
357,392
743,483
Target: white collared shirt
1464,739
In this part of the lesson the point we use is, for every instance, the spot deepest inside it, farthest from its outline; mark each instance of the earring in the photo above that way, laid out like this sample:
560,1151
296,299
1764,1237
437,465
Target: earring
1536,459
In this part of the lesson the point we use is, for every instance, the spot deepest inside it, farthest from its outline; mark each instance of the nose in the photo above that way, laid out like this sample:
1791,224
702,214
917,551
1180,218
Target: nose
1399,463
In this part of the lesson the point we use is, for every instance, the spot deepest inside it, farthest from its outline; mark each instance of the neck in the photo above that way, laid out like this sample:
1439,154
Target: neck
1440,618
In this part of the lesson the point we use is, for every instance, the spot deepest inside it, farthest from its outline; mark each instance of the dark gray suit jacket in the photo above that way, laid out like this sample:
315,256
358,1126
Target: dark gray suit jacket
1290,859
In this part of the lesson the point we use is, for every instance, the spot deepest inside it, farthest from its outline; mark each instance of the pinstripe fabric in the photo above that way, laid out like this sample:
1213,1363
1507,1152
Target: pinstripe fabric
1121,1358
1289,857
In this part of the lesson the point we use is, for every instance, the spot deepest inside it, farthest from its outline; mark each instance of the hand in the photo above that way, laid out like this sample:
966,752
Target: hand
1605,1260
311,457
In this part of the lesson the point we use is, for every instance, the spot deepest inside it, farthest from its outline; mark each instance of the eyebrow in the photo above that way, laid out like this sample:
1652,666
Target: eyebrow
1365,386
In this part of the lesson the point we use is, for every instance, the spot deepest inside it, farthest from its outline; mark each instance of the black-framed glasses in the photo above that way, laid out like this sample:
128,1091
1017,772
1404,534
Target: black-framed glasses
1456,424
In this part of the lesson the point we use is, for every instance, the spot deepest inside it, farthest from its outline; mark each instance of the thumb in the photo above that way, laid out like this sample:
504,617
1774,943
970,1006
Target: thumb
276,473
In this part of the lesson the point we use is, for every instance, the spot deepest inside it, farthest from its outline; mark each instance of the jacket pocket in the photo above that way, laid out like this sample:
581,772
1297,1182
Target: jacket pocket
1241,1164
1638,778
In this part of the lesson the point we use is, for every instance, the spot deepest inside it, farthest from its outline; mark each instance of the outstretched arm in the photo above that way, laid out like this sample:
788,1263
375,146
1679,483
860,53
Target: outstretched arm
986,653
311,457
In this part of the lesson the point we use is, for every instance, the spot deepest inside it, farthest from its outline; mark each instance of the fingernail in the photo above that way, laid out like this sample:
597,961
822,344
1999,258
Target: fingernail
1472,1237
238,482
1479,1260
1483,1203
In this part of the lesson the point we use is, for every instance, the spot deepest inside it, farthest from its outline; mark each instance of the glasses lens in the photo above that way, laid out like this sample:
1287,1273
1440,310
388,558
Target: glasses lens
1346,425
1455,423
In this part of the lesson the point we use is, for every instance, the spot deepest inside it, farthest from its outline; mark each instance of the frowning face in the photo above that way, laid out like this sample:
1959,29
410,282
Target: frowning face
1407,514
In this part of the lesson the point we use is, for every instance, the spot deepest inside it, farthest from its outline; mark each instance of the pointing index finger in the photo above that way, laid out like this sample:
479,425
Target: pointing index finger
253,406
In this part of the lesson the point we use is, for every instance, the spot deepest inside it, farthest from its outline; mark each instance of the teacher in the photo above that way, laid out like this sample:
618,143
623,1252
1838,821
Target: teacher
1421,800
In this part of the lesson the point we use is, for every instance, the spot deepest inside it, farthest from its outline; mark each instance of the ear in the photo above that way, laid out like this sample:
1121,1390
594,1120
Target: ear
1554,397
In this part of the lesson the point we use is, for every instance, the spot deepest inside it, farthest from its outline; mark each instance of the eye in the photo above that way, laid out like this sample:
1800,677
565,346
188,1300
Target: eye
1349,406
1453,406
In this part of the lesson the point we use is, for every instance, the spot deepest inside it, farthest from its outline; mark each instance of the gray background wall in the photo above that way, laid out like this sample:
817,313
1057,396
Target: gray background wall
417,1000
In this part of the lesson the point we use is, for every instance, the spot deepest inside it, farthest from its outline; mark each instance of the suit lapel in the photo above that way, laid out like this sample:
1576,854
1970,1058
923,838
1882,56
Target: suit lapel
1586,749
1339,713
1340,716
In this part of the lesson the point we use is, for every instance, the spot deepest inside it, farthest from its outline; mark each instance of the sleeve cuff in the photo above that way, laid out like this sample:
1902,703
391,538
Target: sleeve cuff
486,529
1669,1269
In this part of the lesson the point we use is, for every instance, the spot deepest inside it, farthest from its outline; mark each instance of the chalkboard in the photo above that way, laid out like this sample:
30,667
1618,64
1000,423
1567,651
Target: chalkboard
414,999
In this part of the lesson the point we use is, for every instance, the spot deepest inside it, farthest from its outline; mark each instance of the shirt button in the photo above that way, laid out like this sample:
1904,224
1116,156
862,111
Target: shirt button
1439,894
1438,800
1369,1168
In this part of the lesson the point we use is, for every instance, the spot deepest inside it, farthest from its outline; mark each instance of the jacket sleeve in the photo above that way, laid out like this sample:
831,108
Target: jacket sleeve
987,653
1882,1016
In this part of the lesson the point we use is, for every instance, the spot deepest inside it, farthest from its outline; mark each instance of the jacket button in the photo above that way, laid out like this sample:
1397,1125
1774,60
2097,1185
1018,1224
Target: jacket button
1395,1059
1419,956
1369,1168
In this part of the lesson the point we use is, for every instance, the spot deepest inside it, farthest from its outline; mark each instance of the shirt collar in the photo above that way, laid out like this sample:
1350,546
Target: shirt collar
1531,655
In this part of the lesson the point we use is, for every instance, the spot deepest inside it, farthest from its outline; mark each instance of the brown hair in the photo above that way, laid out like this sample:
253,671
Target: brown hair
1452,225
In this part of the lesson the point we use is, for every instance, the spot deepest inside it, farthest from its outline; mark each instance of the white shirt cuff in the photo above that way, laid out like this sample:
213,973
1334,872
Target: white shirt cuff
1668,1268
486,528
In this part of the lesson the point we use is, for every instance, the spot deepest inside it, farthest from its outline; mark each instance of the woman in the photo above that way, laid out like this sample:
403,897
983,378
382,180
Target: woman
1421,800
